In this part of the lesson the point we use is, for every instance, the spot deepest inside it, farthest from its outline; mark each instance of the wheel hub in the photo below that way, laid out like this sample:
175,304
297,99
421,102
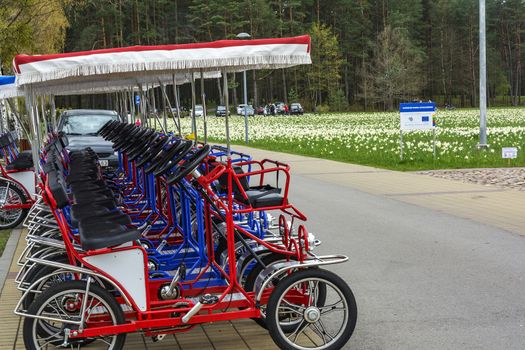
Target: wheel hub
312,314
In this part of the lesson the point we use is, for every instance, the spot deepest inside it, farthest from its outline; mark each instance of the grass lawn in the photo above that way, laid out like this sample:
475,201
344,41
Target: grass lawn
373,138
4,236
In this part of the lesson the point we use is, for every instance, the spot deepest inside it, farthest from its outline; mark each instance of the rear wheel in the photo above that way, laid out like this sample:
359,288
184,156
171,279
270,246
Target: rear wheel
327,327
62,304
10,194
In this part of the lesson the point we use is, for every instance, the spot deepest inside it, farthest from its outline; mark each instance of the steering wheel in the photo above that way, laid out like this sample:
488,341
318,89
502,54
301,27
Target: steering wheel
137,140
132,138
107,126
153,150
119,132
189,165
138,150
173,158
162,157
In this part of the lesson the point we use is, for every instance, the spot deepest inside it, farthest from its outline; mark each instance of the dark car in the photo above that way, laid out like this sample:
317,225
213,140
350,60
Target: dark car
221,111
81,127
296,108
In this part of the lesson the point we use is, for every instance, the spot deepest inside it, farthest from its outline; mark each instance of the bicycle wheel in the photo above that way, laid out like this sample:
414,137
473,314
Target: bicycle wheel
64,302
326,327
11,195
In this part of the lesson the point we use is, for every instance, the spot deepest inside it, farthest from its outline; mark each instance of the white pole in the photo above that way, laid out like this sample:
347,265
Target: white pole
177,104
227,105
204,113
482,77
245,109
193,101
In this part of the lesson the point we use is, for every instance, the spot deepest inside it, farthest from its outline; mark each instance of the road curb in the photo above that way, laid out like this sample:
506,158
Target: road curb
7,255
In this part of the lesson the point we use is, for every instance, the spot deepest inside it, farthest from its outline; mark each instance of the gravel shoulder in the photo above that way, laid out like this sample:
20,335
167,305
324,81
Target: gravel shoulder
508,178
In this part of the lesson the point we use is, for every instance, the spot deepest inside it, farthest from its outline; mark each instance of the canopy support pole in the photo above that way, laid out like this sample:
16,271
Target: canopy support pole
1,117
155,115
165,103
42,108
193,101
204,114
18,120
227,105
177,105
35,142
53,112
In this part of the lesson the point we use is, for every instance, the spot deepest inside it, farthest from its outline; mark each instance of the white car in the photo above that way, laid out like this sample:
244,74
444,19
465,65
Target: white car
199,111
249,109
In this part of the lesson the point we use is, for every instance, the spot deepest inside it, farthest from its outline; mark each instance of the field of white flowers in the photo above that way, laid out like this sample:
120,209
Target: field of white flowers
373,138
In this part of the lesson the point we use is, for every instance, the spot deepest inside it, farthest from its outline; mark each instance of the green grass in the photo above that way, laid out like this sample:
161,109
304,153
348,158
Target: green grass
4,236
373,138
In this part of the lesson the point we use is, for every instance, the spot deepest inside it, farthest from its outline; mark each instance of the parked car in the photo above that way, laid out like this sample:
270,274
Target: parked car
199,111
220,111
81,127
296,108
262,110
249,109
279,108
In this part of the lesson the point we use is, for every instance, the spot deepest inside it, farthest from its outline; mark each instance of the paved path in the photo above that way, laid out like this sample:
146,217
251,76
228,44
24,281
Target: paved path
435,264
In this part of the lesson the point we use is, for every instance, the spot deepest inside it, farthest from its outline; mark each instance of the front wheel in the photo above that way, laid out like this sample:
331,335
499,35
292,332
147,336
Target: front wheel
62,304
327,327
11,195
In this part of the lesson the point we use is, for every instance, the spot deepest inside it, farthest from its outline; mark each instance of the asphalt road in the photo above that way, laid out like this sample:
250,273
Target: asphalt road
422,279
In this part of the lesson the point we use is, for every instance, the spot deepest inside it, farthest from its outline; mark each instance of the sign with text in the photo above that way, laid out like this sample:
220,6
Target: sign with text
418,116
509,152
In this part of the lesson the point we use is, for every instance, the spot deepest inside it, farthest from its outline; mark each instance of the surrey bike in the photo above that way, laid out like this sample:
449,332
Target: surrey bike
80,311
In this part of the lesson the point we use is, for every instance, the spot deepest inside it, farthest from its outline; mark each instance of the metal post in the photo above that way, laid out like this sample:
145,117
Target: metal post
53,112
193,101
245,109
434,143
164,111
482,77
35,142
204,113
177,104
227,105
1,117
401,144
42,107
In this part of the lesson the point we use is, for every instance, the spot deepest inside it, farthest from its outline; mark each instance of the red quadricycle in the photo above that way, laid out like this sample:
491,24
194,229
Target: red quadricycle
17,183
108,292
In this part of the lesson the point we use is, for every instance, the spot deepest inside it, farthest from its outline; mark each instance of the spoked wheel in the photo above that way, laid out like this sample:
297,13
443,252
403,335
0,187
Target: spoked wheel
64,302
11,195
321,327
288,321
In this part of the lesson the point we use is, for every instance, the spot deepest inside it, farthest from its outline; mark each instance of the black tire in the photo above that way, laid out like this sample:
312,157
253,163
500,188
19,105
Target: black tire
32,325
332,281
14,217
249,285
38,272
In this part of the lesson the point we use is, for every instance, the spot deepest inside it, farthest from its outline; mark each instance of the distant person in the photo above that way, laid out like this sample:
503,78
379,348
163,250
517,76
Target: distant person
272,109
137,122
286,109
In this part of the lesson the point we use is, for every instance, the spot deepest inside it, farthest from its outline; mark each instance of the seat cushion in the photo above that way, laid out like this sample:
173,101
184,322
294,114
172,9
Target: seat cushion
105,235
23,161
263,198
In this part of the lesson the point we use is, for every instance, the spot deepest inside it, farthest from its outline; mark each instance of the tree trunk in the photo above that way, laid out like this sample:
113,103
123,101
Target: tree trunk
285,94
255,92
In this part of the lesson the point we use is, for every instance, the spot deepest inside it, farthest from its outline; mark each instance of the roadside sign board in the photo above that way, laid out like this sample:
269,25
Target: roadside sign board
137,99
417,116
509,152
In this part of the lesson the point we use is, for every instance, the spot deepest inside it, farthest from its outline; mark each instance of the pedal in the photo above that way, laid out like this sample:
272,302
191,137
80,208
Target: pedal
172,291
157,338
161,245
206,299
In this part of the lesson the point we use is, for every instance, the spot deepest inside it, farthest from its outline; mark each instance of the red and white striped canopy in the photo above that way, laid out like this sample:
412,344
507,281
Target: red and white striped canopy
230,55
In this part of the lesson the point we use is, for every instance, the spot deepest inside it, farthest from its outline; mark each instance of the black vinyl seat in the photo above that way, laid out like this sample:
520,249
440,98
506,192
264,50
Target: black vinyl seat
24,160
104,235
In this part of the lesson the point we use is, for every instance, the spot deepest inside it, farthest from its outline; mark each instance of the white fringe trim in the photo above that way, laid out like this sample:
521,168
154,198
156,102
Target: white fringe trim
229,64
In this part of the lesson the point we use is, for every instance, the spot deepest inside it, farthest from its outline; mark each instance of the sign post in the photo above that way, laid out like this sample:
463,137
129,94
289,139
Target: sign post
509,153
417,116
